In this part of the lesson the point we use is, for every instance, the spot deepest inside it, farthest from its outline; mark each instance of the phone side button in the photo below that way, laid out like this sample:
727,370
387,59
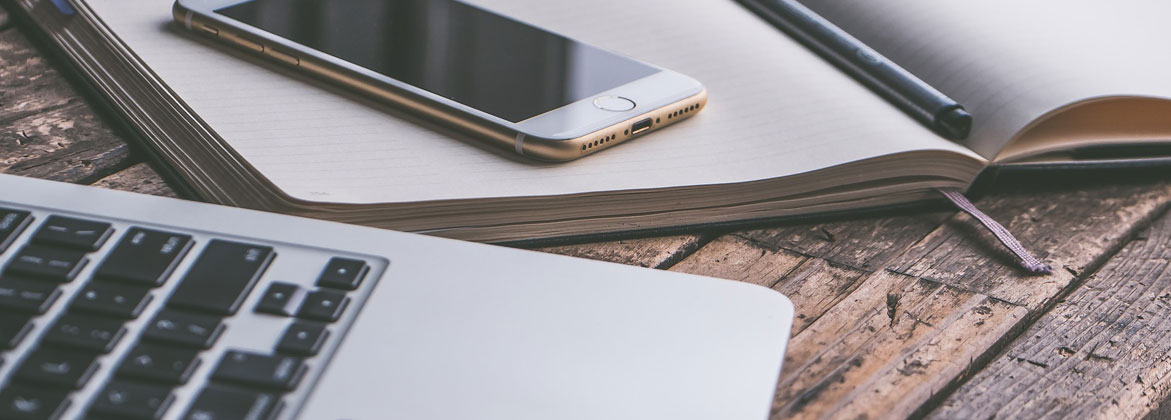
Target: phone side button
210,30
245,43
287,58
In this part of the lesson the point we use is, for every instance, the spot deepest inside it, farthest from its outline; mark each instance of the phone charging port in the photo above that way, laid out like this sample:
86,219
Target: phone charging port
641,126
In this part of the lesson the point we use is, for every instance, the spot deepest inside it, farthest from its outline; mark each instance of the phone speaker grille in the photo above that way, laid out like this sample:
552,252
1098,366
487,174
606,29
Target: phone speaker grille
599,142
686,110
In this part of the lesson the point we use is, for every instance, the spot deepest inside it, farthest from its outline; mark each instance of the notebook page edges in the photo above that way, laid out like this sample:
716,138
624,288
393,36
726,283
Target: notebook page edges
774,110
1010,63
1115,127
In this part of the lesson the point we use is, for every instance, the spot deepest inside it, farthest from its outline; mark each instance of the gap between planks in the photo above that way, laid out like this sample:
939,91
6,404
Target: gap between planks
139,178
1002,347
659,252
1100,353
856,353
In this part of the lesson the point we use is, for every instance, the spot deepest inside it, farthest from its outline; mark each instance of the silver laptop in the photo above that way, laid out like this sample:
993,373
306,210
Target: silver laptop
124,306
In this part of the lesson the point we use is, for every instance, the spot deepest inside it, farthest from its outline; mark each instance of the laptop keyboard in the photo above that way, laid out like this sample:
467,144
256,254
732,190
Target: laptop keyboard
112,319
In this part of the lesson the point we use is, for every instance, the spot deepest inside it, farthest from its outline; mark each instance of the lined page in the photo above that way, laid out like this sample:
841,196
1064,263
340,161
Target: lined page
1010,61
774,110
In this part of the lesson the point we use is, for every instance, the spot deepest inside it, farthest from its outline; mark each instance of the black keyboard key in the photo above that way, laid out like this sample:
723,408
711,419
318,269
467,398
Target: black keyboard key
222,277
12,223
303,339
86,332
114,299
13,329
158,363
57,367
131,401
216,403
30,403
145,257
55,264
343,273
324,305
281,299
185,329
259,370
67,232
27,296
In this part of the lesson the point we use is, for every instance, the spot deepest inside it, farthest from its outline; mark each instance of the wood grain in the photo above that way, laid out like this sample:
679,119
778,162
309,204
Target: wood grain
1072,235
1104,352
1069,226
648,252
815,264
862,243
872,359
813,284
880,343
140,178
46,129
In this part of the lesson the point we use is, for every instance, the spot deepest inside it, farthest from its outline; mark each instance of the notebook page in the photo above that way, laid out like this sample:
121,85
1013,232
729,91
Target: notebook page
774,110
1009,61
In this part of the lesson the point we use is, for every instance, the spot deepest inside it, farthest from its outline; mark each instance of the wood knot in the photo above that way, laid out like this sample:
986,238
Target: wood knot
892,307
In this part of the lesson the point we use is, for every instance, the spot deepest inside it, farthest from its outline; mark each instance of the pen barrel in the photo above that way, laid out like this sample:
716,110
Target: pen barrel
895,84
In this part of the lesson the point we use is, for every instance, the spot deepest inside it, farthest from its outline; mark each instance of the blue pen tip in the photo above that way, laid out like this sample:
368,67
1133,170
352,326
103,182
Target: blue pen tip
64,7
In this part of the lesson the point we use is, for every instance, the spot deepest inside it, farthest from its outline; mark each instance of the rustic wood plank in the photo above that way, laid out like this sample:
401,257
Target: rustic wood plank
862,243
1068,226
648,252
24,73
140,178
872,359
1103,352
847,361
46,129
815,264
813,284
894,391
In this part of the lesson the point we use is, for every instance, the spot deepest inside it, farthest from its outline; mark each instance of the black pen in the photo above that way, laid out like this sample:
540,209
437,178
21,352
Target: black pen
914,96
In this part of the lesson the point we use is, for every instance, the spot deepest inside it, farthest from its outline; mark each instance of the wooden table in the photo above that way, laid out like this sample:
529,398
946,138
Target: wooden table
920,315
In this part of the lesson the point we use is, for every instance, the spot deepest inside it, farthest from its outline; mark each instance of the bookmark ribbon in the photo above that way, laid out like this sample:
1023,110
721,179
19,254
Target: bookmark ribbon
1027,260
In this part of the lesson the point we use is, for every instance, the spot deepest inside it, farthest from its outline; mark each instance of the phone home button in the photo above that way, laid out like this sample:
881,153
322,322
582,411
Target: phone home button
614,103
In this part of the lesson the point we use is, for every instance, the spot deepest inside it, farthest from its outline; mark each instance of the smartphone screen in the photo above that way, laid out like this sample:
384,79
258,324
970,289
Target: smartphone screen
497,65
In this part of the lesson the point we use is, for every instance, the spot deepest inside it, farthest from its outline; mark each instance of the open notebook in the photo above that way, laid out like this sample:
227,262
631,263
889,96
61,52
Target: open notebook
784,133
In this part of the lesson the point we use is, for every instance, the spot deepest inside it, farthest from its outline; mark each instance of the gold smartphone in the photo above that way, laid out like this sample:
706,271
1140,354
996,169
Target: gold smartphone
500,80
